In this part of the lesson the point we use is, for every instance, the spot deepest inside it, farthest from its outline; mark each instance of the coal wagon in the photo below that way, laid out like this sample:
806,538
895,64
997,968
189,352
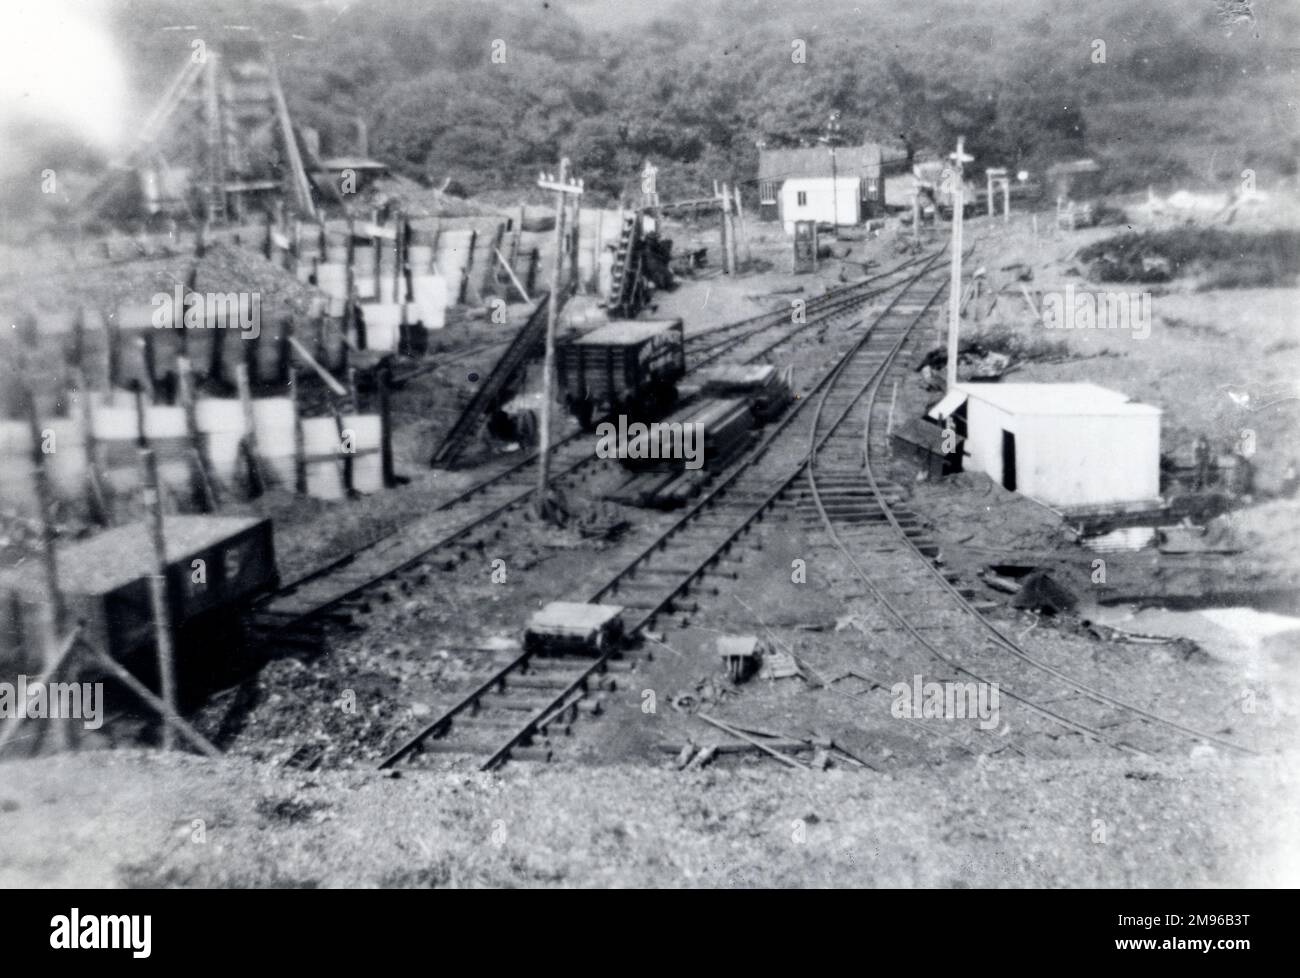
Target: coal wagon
216,565
629,368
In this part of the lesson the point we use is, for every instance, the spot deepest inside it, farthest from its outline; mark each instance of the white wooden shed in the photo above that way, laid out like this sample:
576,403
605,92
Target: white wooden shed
824,199
1067,445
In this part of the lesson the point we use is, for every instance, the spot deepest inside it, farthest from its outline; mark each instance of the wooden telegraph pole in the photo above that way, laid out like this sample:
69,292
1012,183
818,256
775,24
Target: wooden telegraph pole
51,612
959,158
832,139
564,186
159,599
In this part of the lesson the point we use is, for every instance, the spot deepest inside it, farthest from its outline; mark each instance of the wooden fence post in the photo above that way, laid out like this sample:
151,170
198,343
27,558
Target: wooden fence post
51,607
385,426
256,481
200,473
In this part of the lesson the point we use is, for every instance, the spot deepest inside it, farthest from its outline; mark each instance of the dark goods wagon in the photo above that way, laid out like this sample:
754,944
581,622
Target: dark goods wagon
215,566
627,368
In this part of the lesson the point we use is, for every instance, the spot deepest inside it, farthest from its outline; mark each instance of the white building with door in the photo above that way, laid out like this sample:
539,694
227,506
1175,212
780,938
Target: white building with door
829,200
1067,445
867,166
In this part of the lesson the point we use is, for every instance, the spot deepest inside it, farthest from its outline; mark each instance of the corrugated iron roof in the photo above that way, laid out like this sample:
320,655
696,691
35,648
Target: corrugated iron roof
1080,399
866,160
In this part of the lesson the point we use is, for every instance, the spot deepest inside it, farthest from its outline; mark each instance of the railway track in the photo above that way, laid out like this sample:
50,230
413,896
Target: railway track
519,710
505,716
866,519
337,590
703,348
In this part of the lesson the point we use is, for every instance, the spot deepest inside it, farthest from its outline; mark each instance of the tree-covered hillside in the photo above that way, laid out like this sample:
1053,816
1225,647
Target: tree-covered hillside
488,93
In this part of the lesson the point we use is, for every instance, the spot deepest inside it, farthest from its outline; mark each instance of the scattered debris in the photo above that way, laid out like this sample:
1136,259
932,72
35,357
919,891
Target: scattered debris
779,665
727,728
1039,592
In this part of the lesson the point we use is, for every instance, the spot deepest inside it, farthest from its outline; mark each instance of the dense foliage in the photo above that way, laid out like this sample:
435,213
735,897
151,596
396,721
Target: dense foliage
1182,95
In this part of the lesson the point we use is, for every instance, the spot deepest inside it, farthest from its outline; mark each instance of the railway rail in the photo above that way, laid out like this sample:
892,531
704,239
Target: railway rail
862,513
337,588
504,717
515,711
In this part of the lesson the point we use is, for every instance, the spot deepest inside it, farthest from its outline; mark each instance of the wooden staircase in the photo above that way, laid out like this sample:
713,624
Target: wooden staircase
628,295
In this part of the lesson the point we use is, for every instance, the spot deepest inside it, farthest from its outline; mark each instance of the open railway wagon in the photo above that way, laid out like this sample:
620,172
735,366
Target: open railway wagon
216,566
629,368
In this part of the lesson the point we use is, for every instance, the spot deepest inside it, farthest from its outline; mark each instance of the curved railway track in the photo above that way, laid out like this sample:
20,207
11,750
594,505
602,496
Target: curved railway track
862,513
514,711
479,513
517,710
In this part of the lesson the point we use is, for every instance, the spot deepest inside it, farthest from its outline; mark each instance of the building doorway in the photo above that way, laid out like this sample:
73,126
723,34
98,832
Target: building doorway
1008,461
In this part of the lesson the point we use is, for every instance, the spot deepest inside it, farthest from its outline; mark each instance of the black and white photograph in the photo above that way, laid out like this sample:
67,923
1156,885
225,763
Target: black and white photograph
602,444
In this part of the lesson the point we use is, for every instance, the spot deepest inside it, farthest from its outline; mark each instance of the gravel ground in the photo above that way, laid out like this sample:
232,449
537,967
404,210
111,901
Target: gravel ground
142,819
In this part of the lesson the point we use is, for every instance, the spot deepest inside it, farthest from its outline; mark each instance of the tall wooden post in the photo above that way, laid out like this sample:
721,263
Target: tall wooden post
377,255
151,497
575,232
740,219
51,607
299,445
256,482
99,507
201,476
399,259
959,158
382,380
562,185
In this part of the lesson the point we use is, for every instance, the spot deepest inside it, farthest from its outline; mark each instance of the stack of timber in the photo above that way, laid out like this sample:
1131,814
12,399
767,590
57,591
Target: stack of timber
766,388
726,429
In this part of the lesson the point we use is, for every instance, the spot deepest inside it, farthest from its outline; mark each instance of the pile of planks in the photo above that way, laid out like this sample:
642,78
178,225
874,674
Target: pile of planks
727,426
766,388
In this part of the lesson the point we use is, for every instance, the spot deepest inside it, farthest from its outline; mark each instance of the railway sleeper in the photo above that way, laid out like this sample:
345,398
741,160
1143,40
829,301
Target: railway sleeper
518,704
554,682
541,662
443,745
499,727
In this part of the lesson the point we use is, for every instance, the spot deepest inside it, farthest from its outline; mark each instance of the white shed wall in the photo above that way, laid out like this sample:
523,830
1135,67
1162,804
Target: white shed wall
1069,460
824,195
